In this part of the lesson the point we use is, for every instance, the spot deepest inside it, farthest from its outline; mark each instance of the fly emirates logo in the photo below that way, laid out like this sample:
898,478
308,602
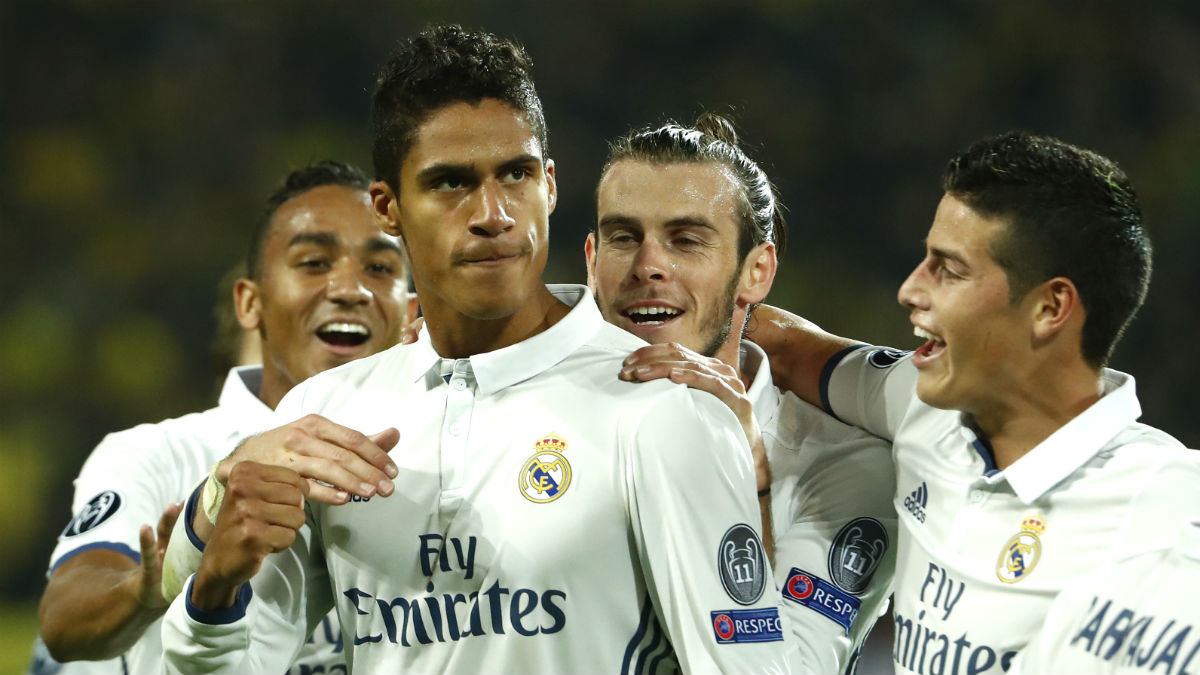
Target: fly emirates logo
921,646
449,617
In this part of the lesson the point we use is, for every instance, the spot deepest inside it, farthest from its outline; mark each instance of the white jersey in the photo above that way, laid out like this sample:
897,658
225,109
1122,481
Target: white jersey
132,475
983,552
547,517
834,524
1138,615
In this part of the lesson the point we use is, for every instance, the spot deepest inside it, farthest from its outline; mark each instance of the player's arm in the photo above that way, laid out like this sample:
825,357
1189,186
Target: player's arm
220,623
684,366
692,504
100,601
336,460
797,348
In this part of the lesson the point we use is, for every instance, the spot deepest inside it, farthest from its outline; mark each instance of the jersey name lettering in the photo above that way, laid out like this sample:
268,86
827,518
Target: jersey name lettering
1114,632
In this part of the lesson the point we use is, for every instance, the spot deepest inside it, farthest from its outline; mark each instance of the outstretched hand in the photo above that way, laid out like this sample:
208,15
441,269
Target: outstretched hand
337,460
154,547
684,366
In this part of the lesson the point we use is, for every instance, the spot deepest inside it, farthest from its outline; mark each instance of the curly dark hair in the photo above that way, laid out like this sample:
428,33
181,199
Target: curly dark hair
440,66
1069,212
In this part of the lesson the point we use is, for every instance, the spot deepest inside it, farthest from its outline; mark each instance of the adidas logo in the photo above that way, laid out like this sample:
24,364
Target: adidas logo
917,501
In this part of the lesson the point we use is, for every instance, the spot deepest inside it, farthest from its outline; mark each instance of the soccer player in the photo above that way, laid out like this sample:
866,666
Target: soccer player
1020,464
547,517
1139,614
686,243
325,286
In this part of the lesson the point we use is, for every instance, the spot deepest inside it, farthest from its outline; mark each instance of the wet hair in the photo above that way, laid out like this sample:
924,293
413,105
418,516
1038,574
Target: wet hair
440,66
712,139
326,172
1068,212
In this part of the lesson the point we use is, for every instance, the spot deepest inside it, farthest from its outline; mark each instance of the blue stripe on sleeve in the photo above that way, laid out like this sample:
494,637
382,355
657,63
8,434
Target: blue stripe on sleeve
827,375
643,624
219,617
189,512
113,546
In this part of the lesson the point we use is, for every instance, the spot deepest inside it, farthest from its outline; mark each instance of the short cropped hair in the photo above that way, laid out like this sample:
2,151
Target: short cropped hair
1068,212
325,172
440,66
712,139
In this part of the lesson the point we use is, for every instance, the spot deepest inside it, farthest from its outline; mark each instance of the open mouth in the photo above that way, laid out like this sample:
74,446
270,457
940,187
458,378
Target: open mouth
933,346
343,334
653,315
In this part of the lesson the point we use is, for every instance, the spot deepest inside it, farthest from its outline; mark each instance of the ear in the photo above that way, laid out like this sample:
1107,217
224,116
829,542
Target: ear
758,273
551,186
1055,305
386,206
247,303
589,253
413,307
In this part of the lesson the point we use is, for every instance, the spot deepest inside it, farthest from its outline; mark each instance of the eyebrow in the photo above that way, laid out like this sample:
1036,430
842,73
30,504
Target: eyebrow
445,169
618,220
375,244
948,255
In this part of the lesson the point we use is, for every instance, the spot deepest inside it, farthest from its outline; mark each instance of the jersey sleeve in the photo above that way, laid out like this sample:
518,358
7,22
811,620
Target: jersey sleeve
1050,650
835,532
268,624
870,388
1149,520
696,524
120,488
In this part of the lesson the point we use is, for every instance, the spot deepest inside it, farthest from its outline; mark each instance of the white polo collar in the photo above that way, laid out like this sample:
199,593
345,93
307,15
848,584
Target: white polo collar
1077,441
496,370
239,397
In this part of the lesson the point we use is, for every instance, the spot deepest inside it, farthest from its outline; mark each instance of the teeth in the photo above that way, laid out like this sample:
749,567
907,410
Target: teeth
925,335
337,327
645,311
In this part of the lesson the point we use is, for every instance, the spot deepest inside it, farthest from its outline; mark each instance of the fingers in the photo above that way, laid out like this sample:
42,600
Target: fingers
343,459
166,524
411,331
148,545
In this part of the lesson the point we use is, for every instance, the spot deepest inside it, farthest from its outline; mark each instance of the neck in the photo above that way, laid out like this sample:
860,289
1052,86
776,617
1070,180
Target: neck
274,384
457,335
1032,413
731,354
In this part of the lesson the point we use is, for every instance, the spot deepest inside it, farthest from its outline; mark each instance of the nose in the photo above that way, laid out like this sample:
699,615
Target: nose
491,213
345,285
650,263
912,292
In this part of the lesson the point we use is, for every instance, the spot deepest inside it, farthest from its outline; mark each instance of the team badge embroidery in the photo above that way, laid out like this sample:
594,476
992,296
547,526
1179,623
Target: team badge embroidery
102,507
741,563
856,552
1022,553
546,475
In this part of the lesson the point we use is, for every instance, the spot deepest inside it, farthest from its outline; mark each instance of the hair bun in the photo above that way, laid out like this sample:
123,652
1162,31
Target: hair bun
718,127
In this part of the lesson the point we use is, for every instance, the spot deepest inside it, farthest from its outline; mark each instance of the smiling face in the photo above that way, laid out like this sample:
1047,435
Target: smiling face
976,340
663,261
333,288
473,209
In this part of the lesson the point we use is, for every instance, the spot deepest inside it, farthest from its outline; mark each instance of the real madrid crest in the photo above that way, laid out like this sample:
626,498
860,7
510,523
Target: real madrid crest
546,475
1022,553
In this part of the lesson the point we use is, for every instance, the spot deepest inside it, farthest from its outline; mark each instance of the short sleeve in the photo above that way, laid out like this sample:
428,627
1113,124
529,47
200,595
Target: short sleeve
870,388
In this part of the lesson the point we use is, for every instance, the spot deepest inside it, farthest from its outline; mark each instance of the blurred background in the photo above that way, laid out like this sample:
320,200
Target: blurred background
137,142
